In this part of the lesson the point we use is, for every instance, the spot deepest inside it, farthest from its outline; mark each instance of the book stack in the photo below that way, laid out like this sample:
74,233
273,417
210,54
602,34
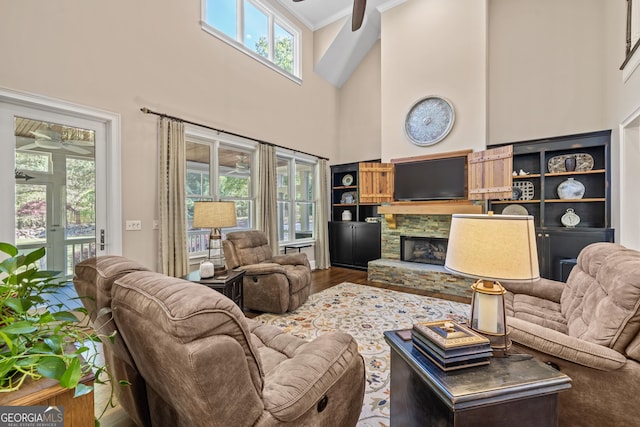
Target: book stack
450,345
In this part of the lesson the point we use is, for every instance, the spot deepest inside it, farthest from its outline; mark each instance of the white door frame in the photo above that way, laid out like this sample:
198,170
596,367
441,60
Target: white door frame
111,174
629,233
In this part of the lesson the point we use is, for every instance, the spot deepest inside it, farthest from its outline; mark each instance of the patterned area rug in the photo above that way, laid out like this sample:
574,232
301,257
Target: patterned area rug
366,312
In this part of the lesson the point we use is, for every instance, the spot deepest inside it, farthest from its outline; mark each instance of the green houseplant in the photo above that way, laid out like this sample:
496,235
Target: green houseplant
38,339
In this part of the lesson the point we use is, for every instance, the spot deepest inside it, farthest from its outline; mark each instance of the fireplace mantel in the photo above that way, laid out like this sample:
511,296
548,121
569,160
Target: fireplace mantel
448,207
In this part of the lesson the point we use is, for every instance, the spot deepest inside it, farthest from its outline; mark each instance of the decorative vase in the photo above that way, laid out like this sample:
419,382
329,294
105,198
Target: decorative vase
206,269
571,189
570,164
346,215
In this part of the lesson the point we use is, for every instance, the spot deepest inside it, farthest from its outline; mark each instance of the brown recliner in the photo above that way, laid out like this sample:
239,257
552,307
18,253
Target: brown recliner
274,284
199,362
93,282
590,329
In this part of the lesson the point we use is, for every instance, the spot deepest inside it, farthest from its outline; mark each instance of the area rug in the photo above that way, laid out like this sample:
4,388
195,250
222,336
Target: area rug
366,312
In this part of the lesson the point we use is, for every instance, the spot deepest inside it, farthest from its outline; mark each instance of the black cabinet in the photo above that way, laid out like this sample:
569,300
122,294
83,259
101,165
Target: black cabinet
555,246
540,168
353,244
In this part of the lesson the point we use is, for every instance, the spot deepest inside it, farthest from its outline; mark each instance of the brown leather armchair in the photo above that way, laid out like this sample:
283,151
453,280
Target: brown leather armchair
590,329
274,284
194,359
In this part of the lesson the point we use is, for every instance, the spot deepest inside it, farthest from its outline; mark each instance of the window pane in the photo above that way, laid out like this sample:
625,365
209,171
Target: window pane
243,217
234,168
81,198
304,220
256,30
283,55
31,214
282,170
283,221
29,161
304,181
221,15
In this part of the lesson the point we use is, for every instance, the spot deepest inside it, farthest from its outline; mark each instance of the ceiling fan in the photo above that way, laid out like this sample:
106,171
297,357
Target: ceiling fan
52,140
358,13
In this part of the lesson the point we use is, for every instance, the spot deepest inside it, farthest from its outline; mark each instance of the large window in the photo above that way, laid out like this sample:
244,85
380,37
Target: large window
256,29
217,171
296,200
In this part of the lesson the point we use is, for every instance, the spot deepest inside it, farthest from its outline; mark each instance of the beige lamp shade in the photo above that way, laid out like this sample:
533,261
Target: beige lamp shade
214,214
493,247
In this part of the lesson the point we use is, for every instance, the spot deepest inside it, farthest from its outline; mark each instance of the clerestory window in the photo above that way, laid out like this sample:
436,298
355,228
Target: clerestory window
256,29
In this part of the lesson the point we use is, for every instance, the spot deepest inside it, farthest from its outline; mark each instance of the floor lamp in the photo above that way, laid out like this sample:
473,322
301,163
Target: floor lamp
491,248
215,215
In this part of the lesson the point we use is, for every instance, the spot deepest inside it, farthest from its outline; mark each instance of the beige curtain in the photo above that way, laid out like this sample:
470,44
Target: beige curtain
322,216
267,209
171,181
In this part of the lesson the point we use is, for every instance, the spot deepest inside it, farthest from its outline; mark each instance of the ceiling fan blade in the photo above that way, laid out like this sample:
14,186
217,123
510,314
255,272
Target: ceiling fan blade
358,14
74,149
28,146
40,135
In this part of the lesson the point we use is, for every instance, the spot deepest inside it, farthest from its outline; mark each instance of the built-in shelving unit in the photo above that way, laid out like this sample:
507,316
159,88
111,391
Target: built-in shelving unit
556,242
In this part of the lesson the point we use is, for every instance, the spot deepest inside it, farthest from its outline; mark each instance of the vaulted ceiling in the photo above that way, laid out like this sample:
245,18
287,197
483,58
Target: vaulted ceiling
348,48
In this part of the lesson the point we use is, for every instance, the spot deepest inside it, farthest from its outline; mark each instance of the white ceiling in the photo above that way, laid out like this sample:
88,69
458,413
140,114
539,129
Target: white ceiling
316,14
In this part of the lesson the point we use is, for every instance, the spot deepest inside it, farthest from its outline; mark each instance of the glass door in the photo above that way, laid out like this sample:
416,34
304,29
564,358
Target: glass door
55,191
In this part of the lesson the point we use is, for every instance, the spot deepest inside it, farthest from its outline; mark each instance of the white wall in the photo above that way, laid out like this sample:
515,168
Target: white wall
546,68
120,55
434,47
622,98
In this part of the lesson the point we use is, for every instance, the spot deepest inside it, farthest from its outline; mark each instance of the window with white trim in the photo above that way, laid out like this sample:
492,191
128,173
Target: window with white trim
218,170
296,197
256,29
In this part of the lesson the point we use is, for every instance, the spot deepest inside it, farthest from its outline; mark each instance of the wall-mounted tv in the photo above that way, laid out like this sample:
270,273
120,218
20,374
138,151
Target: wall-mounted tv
434,179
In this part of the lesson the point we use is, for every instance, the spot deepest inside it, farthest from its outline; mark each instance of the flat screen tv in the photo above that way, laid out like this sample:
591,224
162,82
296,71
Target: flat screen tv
435,179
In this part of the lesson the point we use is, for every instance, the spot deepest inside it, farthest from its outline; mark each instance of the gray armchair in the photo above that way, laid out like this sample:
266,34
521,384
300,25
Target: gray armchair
274,284
193,359
590,329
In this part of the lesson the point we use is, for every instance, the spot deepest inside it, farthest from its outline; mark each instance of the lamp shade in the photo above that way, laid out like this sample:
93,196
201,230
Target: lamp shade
214,214
493,247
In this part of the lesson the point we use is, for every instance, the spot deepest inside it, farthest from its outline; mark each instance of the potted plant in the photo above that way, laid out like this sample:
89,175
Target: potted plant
39,339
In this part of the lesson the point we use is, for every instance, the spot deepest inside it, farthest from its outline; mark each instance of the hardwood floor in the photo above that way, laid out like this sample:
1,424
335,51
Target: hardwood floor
320,280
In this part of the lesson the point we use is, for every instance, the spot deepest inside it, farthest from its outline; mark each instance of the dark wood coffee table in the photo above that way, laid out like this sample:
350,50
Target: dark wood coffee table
229,284
514,391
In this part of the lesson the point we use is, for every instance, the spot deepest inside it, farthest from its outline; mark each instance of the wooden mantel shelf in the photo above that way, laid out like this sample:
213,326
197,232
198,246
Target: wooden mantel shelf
428,208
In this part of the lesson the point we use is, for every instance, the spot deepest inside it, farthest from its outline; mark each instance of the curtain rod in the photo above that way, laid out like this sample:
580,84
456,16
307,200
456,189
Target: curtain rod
148,111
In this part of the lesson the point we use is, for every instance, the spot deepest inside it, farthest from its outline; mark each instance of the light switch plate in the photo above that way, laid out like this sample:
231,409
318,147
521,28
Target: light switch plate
133,225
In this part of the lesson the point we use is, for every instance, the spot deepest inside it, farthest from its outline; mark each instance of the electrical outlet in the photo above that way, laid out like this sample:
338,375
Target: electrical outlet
133,225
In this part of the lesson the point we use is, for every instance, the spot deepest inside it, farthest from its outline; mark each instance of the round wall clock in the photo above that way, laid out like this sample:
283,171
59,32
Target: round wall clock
429,120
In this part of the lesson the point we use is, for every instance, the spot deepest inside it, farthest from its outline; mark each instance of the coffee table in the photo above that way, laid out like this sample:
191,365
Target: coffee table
513,391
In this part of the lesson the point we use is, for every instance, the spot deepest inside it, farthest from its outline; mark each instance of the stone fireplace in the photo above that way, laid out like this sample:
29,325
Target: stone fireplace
426,250
423,238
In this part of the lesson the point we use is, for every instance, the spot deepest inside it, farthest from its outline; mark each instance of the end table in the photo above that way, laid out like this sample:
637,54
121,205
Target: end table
229,284
511,391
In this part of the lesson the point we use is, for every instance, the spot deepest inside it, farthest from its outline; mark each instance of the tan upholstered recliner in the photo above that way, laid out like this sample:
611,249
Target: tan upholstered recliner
274,284
194,359
590,329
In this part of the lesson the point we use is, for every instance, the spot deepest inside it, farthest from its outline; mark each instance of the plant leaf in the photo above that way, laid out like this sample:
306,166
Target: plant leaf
54,342
34,255
72,375
8,341
8,249
65,316
51,367
82,389
22,327
19,305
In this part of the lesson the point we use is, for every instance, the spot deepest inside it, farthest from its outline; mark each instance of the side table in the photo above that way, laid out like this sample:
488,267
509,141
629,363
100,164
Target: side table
228,284
512,391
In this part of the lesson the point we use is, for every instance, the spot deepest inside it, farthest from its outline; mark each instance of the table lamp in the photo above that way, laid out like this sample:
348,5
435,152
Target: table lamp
215,215
491,248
